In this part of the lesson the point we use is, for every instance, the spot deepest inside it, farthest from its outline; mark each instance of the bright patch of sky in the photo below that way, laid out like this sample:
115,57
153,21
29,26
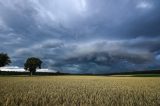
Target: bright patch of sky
144,5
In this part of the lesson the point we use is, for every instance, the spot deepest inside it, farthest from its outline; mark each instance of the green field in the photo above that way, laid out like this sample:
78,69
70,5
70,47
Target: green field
79,90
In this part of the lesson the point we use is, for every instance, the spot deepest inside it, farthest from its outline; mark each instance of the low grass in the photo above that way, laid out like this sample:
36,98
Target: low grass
79,91
137,75
146,75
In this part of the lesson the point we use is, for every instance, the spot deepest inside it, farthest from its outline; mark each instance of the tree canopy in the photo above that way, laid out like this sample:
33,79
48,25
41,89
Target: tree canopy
32,64
4,59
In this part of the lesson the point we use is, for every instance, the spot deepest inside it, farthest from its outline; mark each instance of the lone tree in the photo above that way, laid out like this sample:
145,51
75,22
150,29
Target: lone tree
4,59
32,64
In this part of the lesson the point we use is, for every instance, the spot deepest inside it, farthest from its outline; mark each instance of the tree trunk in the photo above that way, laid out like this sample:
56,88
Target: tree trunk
31,73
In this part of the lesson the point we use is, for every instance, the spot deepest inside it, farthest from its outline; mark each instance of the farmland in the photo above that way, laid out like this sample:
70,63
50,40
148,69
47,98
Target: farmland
79,90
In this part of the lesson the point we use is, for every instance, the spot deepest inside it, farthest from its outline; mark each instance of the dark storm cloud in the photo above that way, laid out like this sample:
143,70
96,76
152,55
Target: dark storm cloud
82,35
127,18
114,55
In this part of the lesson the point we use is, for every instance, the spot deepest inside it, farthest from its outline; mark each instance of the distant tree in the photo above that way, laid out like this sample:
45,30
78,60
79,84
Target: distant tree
32,64
4,59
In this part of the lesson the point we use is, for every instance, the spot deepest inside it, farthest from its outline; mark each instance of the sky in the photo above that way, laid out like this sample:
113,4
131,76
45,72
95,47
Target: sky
82,36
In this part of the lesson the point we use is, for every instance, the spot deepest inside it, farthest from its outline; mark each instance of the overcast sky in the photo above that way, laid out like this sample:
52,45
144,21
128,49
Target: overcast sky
82,36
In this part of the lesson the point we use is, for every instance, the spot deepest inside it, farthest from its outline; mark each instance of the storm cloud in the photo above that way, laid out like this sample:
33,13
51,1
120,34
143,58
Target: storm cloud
82,36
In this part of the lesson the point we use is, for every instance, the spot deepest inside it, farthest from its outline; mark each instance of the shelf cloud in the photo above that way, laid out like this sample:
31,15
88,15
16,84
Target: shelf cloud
82,36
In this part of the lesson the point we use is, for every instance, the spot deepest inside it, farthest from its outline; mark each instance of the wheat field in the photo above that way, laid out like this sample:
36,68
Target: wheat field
79,91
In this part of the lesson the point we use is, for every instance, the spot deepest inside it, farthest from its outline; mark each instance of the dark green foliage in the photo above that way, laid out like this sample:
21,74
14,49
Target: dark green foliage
32,64
4,59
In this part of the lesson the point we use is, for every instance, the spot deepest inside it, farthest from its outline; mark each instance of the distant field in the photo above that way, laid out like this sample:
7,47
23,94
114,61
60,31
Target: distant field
79,90
137,75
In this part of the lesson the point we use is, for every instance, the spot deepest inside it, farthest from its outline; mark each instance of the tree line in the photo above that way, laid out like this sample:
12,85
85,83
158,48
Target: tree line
31,64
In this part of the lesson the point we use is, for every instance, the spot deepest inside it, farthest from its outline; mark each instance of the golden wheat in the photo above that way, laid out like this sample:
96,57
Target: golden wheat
79,91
